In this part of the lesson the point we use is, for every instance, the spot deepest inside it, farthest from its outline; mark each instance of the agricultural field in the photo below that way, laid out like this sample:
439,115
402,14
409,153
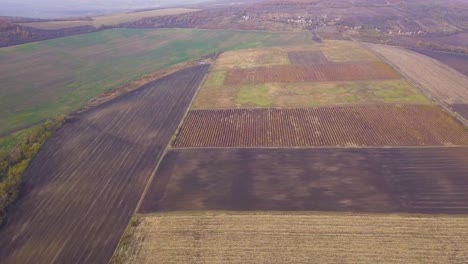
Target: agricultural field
329,51
384,180
64,74
441,82
251,58
83,186
305,94
461,109
281,237
312,73
346,126
303,76
455,60
307,57
108,20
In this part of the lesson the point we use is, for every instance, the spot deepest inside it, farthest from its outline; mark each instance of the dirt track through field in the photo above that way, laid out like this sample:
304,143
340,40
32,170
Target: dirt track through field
82,188
362,125
412,180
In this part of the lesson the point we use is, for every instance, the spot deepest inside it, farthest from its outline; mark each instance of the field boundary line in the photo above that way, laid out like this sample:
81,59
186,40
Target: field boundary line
324,147
424,91
314,107
297,213
168,146
163,154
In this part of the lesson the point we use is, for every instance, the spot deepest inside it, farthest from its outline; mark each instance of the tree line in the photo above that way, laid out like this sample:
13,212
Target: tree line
14,163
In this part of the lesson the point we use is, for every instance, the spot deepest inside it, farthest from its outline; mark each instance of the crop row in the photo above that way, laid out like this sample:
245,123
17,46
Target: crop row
307,57
83,186
367,125
312,73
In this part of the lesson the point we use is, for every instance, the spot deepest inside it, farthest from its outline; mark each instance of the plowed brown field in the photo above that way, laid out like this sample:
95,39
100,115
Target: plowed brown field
307,57
412,180
312,73
366,125
83,186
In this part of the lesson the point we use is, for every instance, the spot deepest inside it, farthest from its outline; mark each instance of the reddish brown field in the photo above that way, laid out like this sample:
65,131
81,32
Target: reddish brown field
312,73
83,186
365,125
307,57
412,180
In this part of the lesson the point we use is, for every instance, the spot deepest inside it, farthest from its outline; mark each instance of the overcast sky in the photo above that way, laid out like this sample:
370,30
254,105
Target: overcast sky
58,8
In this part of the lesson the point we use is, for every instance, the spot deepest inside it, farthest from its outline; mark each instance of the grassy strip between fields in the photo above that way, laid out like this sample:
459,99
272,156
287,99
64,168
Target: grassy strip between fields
123,250
14,163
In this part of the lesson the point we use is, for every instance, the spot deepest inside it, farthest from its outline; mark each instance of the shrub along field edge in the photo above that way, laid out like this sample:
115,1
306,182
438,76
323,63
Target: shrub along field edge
14,163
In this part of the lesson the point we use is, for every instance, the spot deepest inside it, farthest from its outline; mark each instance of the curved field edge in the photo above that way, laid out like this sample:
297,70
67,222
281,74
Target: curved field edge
65,73
14,163
90,175
9,143
279,237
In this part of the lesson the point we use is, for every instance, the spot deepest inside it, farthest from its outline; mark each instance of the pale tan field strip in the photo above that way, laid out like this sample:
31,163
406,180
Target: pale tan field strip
218,237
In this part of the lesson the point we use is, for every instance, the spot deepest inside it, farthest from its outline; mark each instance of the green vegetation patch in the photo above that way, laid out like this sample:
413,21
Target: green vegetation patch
309,94
43,79
215,78
254,96
8,143
317,94
15,161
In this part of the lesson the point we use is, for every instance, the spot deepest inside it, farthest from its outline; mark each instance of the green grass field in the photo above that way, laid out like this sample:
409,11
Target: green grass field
41,80
306,94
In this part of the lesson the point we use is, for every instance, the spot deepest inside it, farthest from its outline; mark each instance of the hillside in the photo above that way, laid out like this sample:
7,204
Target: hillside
439,25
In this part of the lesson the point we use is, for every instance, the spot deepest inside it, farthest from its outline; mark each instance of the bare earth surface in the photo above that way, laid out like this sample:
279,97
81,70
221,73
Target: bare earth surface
83,186
218,237
413,180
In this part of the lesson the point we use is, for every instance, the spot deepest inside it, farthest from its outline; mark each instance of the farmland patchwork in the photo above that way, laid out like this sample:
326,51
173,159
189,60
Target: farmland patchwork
322,144
333,144
83,186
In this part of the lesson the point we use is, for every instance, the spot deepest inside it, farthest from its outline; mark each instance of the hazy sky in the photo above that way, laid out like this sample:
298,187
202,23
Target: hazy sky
58,8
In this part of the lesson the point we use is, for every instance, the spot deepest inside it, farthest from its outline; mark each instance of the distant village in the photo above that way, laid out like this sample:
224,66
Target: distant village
325,21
